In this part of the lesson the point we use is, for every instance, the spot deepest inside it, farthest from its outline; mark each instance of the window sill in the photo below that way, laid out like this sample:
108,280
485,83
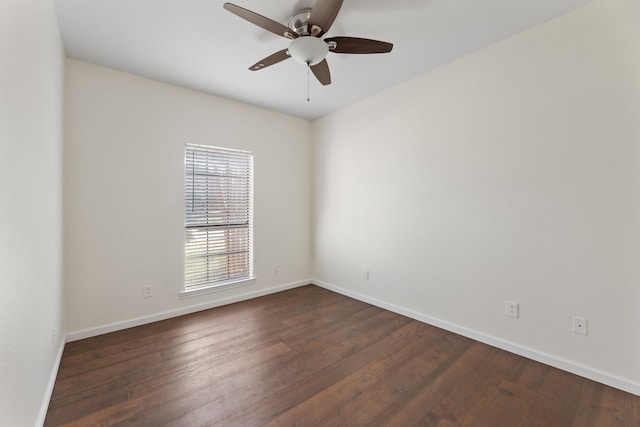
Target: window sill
207,289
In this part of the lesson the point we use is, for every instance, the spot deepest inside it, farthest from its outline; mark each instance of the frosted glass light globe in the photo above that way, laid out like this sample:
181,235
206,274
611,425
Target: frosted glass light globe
308,50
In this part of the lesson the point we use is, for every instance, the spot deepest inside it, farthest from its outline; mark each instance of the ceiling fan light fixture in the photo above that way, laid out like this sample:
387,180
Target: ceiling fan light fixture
308,50
306,27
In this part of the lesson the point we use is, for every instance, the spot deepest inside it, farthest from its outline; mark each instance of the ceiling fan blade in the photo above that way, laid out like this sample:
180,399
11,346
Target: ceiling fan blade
321,71
262,21
358,45
270,60
322,16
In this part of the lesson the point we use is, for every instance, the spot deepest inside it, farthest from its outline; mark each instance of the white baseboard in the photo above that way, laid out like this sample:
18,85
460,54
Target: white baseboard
44,406
530,353
138,321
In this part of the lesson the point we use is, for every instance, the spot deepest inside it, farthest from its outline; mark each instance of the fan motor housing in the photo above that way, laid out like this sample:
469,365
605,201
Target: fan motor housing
299,22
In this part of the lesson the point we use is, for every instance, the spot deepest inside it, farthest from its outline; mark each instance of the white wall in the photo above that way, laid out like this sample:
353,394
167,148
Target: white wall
31,78
511,174
124,197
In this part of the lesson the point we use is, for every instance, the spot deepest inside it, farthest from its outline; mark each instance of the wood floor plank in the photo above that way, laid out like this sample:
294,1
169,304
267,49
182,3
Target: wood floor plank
410,395
263,401
312,357
482,391
507,402
111,374
403,378
327,402
61,414
557,399
602,405
327,334
530,374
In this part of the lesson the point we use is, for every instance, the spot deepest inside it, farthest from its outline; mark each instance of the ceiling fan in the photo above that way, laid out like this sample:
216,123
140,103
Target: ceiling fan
306,27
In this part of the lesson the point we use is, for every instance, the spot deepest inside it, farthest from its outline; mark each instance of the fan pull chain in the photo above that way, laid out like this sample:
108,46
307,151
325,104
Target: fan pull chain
308,73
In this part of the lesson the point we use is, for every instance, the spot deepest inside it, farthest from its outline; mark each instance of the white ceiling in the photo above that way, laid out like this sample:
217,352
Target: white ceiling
199,45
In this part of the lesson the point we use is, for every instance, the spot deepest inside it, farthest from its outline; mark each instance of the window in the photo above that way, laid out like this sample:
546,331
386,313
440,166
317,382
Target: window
218,218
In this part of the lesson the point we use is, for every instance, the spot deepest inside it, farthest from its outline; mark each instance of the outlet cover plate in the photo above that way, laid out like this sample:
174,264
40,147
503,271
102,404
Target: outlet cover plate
580,325
512,309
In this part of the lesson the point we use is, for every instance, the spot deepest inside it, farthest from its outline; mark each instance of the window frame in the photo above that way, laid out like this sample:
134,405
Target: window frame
219,211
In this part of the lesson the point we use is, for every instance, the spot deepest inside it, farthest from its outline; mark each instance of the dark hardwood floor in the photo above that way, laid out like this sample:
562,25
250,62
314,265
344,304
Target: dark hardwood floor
311,357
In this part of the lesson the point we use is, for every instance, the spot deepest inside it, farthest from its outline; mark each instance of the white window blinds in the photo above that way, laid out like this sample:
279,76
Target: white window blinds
218,216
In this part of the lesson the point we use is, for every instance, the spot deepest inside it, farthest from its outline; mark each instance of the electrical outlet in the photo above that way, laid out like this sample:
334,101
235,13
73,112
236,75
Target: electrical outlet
512,309
276,268
580,325
146,291
365,275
